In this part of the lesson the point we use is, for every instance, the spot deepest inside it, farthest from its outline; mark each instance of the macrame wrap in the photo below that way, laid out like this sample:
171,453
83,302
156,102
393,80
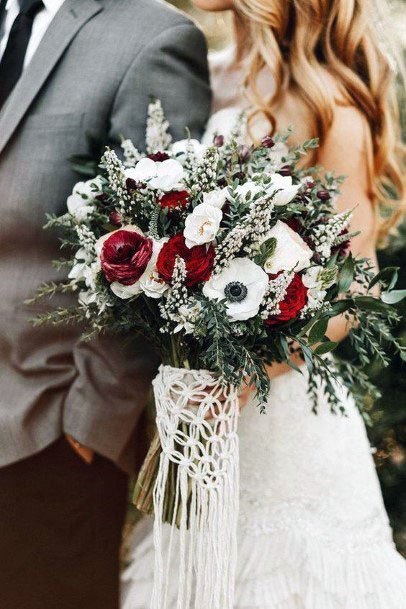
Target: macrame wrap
198,432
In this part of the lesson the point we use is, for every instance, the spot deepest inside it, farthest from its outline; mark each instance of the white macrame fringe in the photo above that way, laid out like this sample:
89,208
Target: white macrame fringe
198,432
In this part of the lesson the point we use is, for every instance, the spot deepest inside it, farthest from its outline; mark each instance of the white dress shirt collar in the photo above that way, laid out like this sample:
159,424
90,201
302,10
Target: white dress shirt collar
52,6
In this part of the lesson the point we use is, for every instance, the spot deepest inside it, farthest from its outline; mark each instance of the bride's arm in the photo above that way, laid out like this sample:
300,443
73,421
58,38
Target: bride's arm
346,151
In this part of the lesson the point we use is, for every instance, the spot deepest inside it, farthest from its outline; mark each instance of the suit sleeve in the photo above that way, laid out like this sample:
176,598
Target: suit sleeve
172,68
106,400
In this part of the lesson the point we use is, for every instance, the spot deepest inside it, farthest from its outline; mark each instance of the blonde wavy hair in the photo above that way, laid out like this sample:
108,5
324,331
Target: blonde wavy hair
298,40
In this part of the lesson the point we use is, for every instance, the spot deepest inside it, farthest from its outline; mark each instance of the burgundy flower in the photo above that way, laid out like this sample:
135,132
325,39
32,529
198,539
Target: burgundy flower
268,142
295,300
115,218
125,255
323,195
344,247
175,199
199,260
158,157
286,170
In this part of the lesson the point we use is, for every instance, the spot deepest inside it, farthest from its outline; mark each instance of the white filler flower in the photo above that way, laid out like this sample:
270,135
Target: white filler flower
242,284
291,252
284,189
202,225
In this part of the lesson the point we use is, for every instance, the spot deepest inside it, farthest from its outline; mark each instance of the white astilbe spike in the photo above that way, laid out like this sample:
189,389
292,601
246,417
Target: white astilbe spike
275,294
157,137
131,154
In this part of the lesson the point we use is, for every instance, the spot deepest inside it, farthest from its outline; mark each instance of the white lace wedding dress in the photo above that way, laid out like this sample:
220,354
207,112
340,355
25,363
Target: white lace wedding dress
313,531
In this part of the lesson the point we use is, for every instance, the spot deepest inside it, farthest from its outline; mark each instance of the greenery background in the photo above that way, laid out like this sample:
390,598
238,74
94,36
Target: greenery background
388,429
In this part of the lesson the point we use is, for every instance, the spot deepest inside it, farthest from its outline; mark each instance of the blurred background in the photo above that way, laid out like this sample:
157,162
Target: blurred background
387,431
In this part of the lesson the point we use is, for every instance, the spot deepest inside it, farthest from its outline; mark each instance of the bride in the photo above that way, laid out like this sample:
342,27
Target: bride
313,531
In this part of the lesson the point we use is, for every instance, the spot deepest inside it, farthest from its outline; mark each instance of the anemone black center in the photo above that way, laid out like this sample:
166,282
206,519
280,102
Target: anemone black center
235,291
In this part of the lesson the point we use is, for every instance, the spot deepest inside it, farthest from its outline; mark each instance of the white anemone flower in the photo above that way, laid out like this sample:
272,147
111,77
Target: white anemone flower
181,148
202,225
81,202
144,171
291,252
285,191
242,284
169,176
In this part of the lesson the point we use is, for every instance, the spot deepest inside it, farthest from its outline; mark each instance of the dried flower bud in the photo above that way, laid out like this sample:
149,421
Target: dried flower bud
323,195
268,142
218,140
115,218
244,153
240,176
286,170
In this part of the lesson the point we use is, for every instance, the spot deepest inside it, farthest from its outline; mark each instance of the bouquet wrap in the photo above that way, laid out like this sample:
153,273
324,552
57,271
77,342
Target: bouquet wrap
197,425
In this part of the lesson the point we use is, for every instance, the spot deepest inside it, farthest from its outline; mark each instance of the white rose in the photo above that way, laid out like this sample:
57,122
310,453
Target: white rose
169,176
144,171
216,198
291,252
150,282
125,291
243,284
182,147
283,188
202,225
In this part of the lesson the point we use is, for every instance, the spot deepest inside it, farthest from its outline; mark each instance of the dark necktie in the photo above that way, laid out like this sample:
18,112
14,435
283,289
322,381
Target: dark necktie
12,62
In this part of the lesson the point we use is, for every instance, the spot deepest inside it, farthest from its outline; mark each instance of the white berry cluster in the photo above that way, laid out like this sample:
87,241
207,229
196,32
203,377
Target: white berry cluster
131,153
251,229
177,296
276,294
325,236
157,137
115,170
205,178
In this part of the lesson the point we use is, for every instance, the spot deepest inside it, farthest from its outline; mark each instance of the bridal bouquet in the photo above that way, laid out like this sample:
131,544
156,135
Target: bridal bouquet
228,257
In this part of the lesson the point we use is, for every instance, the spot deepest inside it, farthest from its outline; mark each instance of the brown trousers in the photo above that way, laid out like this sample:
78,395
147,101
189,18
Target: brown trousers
60,531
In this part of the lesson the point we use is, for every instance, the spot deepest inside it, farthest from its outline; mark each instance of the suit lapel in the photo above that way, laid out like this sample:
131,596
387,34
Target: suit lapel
72,15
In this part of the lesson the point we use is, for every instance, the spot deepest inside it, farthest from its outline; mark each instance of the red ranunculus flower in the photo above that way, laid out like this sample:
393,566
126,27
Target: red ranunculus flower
295,300
125,255
175,199
199,260
158,157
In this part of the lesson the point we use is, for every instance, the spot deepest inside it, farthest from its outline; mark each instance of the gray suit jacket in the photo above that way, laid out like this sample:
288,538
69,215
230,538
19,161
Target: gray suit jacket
94,71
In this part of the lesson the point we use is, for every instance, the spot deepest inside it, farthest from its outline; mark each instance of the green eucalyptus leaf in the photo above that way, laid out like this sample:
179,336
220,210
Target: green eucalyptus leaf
368,303
393,297
325,347
388,275
346,275
318,331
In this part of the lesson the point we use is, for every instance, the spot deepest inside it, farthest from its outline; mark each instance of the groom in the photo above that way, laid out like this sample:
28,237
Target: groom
68,410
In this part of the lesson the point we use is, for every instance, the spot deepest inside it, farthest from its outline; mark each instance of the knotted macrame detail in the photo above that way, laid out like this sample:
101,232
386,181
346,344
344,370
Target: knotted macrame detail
197,424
